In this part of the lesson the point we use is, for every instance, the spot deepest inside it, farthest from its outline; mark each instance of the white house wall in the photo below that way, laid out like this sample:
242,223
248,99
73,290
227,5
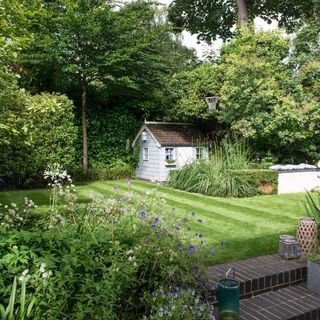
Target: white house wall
148,169
185,155
156,168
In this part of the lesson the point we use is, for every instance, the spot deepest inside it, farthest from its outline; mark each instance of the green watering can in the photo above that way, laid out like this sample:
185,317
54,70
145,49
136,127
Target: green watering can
229,297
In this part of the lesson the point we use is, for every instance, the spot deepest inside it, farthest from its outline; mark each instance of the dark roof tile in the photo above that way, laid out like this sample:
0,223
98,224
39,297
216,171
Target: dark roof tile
180,134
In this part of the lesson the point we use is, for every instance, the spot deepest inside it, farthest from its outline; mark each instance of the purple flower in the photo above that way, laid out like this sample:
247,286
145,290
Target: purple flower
200,235
159,236
200,220
119,200
116,188
222,244
142,214
177,228
191,249
76,206
212,251
153,227
75,197
197,276
179,246
128,181
165,231
213,287
174,295
121,209
156,220
202,283
193,214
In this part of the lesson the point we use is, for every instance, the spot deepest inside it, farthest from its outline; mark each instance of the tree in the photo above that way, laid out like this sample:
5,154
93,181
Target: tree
210,19
258,98
93,50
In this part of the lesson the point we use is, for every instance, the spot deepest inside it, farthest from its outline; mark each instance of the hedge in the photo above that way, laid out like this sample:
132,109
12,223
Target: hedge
264,181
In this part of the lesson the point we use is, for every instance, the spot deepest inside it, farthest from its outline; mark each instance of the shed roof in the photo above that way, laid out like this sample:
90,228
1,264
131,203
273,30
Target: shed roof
169,133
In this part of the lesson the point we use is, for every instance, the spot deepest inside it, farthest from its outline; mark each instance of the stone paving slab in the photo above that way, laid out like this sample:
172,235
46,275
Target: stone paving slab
262,274
292,303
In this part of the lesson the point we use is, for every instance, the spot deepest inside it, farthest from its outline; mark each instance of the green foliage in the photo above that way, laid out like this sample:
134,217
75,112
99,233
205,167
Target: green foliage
215,177
100,260
262,181
188,90
313,207
218,18
116,170
38,131
109,133
175,303
259,98
116,73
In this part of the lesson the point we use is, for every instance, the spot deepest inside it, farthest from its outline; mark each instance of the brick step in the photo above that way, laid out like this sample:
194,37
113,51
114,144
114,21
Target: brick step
293,303
262,274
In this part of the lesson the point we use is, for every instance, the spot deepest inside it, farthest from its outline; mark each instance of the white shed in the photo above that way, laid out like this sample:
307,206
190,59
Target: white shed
165,146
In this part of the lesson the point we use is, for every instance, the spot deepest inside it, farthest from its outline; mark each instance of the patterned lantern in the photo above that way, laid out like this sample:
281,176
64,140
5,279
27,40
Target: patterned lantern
307,235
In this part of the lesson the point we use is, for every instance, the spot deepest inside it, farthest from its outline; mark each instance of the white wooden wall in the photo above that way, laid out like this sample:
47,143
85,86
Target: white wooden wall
148,169
156,168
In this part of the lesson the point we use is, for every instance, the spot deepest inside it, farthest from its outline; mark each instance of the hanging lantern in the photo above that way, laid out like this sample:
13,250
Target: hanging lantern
307,235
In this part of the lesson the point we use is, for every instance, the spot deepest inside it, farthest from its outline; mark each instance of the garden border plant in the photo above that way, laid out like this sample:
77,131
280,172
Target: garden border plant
100,251
226,174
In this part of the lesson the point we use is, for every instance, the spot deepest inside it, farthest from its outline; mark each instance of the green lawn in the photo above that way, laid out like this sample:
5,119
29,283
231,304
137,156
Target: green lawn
247,226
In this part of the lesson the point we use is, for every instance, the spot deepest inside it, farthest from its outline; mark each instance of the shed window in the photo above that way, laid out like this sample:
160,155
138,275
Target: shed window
145,154
169,154
199,153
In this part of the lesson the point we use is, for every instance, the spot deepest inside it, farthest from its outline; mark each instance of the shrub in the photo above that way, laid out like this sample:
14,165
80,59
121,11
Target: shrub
101,260
262,181
40,131
116,170
213,177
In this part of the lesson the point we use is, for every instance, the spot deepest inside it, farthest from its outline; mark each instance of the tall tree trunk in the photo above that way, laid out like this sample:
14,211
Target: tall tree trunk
84,127
242,13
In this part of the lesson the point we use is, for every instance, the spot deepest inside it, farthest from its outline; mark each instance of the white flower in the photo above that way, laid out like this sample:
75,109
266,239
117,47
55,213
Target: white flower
42,267
25,272
24,276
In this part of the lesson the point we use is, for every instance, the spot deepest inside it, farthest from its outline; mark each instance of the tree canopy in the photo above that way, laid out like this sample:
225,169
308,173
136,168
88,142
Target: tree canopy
87,47
211,19
259,98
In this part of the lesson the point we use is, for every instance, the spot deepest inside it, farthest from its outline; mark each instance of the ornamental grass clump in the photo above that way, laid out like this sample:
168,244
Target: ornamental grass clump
103,259
313,209
214,176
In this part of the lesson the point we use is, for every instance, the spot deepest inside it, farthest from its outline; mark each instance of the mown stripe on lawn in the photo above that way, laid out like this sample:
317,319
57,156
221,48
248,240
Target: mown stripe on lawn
211,224
221,216
242,203
247,218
